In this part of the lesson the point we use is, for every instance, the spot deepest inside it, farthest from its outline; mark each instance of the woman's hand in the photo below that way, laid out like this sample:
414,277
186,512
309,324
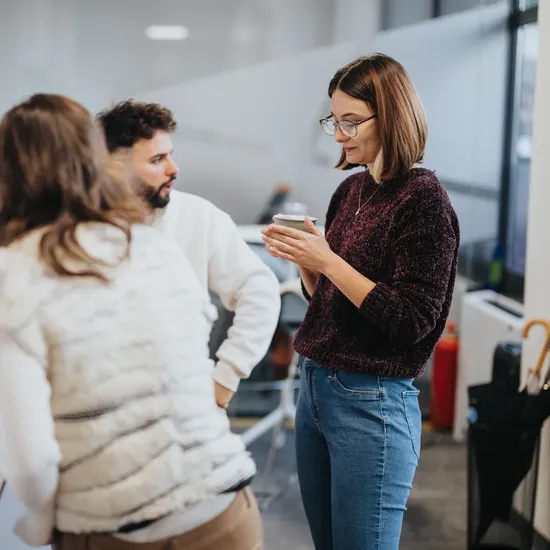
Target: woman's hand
308,250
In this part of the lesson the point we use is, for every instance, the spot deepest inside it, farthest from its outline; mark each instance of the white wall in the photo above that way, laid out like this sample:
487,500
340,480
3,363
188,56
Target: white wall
537,287
96,51
242,132
356,21
398,13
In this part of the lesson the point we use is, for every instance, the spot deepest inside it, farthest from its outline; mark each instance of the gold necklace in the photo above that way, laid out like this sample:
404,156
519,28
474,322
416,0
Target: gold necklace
359,206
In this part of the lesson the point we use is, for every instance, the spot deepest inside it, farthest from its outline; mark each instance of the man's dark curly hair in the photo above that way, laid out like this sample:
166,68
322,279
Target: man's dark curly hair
129,121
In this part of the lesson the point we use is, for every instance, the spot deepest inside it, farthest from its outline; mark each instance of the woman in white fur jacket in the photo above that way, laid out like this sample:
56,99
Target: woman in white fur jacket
111,437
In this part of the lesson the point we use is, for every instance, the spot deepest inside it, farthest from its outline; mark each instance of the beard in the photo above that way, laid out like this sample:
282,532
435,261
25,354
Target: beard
153,197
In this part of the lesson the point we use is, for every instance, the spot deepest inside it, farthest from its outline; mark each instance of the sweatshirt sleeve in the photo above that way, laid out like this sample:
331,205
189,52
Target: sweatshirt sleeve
30,453
425,250
250,289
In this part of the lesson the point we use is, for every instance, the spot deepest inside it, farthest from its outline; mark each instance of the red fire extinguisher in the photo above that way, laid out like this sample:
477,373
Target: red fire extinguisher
444,375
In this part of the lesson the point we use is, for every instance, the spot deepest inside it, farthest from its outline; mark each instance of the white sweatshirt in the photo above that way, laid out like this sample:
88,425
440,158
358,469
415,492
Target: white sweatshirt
226,265
107,410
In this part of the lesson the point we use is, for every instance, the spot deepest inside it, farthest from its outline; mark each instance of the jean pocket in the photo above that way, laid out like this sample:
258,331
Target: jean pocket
357,384
414,419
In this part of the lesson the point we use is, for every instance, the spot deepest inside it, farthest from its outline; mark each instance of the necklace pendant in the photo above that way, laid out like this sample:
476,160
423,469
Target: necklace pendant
357,211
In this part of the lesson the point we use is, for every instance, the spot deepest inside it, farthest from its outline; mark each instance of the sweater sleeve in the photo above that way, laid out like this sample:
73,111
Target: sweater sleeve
408,307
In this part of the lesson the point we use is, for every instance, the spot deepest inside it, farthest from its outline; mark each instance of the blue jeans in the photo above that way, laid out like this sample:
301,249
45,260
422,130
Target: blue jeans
357,447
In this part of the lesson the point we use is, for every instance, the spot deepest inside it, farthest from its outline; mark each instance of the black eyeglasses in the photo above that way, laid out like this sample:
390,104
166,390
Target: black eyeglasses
347,127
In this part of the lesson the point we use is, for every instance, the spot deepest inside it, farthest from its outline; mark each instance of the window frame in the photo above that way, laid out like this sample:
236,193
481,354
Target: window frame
512,283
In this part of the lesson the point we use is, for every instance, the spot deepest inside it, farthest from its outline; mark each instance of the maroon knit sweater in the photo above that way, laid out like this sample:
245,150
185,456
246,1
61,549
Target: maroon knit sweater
406,241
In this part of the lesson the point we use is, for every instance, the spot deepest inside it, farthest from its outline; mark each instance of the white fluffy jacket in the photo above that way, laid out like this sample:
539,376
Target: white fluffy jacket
137,430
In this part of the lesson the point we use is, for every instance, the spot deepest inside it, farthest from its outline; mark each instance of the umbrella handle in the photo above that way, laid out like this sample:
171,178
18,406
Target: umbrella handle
544,351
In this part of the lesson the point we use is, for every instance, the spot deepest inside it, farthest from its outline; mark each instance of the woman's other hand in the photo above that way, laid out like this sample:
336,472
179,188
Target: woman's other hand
309,250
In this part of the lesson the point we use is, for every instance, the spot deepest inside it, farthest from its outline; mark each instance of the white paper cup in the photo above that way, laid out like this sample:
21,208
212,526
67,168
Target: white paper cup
295,222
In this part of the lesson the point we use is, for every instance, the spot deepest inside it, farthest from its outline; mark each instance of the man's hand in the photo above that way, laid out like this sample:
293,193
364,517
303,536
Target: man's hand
223,395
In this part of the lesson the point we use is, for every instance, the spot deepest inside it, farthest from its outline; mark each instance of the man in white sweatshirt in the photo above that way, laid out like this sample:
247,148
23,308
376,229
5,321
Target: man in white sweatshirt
222,261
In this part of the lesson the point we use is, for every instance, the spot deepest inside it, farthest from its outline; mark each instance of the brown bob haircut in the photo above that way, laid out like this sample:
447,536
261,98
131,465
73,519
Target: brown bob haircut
385,86
56,173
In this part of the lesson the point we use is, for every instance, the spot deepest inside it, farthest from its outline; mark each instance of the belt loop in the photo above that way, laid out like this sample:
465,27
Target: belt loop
380,387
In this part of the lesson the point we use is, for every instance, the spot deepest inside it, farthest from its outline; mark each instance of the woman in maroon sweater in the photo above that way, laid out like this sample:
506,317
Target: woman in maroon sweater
380,288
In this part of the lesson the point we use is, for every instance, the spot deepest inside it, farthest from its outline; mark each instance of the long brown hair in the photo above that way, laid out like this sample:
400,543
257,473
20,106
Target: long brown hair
56,173
382,83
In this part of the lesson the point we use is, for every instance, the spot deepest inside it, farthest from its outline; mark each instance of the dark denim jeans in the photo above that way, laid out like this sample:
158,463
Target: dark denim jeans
357,446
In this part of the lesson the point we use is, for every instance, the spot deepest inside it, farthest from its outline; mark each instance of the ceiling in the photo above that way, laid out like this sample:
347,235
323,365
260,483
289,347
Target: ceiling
98,49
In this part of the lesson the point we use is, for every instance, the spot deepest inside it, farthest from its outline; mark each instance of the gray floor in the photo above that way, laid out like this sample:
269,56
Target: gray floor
436,514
